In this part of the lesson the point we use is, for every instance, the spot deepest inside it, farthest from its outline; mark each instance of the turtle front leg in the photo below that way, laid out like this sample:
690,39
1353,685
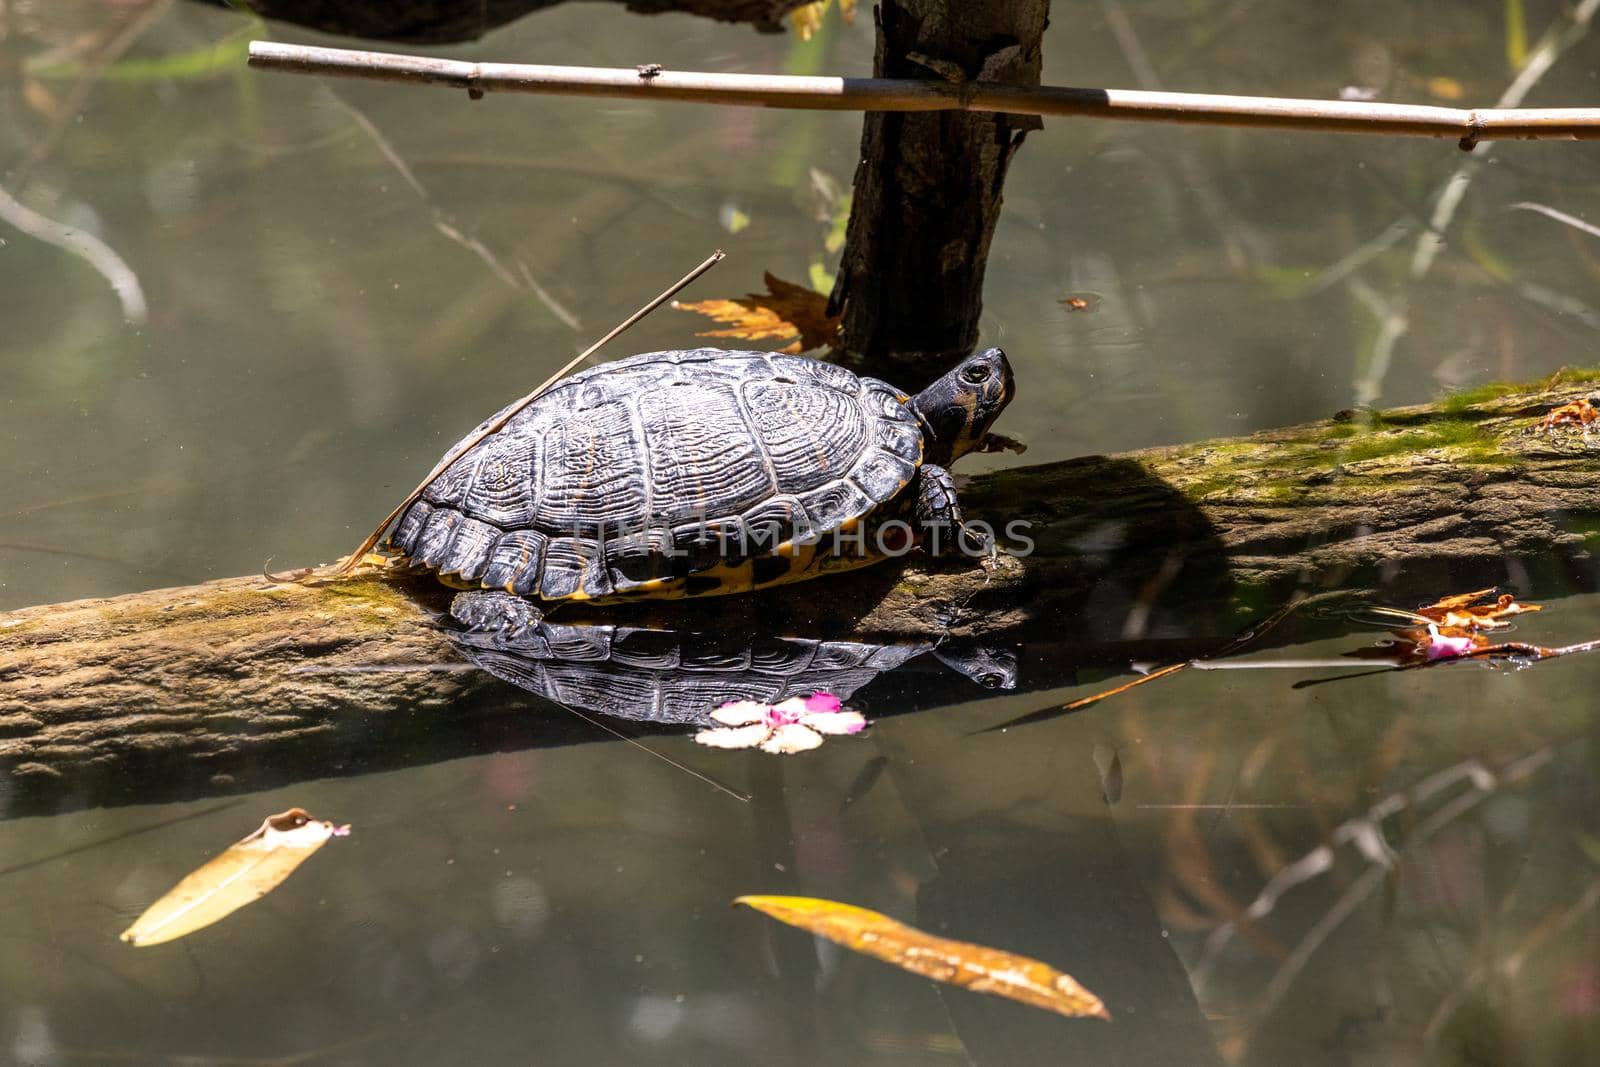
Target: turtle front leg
939,513
504,615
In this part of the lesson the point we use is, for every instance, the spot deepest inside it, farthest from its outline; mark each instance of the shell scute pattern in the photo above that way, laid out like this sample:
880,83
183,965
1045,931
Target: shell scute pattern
433,543
899,437
594,473
668,676
704,457
574,568
471,547
637,476
580,686
652,649
411,524
517,562
506,480
833,505
772,522
813,434
450,488
575,644
881,474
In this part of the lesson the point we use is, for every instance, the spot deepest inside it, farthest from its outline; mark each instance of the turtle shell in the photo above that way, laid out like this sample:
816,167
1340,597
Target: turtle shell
673,473
670,677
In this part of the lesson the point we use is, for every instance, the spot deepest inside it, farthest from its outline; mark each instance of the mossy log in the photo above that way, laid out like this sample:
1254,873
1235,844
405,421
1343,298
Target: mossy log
246,682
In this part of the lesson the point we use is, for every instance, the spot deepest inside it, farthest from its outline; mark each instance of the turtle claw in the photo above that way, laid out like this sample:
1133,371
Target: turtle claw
503,615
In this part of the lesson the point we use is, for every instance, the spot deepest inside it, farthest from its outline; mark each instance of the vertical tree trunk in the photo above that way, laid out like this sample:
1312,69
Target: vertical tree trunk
927,189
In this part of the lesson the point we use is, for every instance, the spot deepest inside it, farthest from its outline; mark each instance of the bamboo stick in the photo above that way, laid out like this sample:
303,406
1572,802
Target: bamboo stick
899,94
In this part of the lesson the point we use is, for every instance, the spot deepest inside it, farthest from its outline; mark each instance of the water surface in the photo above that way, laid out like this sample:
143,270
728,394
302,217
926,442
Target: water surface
325,267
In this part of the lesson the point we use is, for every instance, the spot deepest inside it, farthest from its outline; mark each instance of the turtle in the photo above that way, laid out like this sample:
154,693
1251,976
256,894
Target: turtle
693,472
675,677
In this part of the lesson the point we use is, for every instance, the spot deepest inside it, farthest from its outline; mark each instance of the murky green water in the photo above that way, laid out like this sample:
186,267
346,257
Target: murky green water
315,338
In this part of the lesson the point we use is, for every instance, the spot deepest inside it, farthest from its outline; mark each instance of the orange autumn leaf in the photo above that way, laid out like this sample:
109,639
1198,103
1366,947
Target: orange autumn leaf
1578,413
1453,627
785,312
959,963
1466,612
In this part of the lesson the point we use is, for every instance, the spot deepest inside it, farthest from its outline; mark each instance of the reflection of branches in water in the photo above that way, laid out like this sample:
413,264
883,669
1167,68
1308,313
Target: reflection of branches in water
1383,309
1366,835
1240,241
1556,40
1510,966
446,225
99,255
106,52
1567,31
1560,216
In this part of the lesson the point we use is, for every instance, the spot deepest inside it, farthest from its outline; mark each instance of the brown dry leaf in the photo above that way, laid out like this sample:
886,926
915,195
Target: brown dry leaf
785,312
975,967
1580,412
246,872
1467,612
1453,627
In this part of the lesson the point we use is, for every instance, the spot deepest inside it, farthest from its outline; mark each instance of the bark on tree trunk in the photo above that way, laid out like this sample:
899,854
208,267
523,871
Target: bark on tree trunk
927,189
246,682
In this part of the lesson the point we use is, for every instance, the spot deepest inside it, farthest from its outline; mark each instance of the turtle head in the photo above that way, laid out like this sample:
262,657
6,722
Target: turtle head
957,410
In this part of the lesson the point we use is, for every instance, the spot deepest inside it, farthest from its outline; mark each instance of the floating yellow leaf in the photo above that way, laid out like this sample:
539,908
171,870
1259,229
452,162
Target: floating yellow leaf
246,872
785,312
807,19
1446,88
975,967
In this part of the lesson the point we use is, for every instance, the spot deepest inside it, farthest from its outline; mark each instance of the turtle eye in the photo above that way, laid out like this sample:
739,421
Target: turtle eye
976,374
991,681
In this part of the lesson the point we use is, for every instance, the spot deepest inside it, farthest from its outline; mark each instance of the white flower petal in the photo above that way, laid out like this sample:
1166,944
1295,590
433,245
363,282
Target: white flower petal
734,736
791,738
740,712
835,722
794,707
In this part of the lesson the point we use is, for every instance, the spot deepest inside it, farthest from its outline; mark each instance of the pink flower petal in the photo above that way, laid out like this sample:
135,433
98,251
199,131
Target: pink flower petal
835,722
740,712
823,702
1441,647
791,738
734,736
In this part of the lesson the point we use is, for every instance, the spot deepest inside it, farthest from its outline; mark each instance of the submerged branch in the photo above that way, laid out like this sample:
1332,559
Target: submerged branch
905,94
86,246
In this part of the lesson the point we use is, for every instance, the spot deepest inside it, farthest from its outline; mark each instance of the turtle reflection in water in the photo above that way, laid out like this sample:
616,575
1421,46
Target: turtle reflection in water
694,473
673,677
